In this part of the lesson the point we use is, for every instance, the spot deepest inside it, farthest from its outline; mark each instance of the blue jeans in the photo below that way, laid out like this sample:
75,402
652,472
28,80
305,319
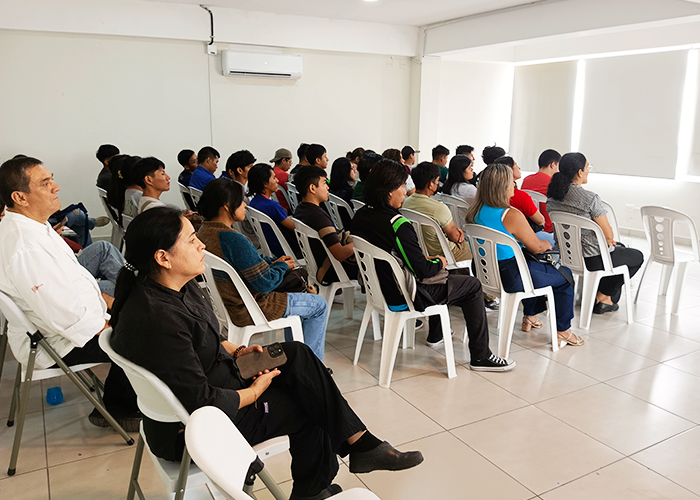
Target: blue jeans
313,311
542,275
103,261
81,224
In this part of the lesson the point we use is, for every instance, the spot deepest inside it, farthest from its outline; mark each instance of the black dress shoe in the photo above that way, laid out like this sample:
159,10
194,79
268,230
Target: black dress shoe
601,308
333,489
383,457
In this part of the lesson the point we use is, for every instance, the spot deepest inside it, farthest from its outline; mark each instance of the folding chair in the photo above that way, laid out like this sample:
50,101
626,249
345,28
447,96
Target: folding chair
257,219
304,236
394,322
196,194
421,222
187,197
26,374
568,229
117,233
219,449
240,335
659,226
157,402
335,205
484,241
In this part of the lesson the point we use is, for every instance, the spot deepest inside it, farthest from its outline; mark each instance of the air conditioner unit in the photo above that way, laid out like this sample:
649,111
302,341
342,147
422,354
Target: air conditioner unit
260,65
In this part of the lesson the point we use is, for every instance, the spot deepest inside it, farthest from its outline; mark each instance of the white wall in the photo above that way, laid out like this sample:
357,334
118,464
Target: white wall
65,94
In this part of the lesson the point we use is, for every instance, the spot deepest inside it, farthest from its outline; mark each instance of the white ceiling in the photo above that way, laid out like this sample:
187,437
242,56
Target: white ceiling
402,12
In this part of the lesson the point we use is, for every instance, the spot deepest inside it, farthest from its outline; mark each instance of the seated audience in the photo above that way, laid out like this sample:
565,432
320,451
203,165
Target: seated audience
162,323
42,276
104,154
301,153
492,209
566,194
539,181
283,162
408,154
354,156
368,160
440,154
313,189
460,173
426,176
220,206
316,156
238,165
149,174
262,185
466,150
208,159
381,224
343,174
395,155
188,159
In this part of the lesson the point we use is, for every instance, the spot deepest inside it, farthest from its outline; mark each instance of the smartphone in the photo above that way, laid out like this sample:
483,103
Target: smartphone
272,357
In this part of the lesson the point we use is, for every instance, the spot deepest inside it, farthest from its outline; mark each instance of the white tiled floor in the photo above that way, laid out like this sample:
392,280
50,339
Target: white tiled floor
618,418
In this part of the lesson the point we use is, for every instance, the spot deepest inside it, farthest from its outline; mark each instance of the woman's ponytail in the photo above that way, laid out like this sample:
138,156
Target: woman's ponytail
569,166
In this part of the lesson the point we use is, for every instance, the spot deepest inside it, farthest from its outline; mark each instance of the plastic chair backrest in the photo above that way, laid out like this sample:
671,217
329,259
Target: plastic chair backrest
282,192
196,195
304,235
335,204
659,225
14,315
126,220
357,204
219,450
366,254
335,216
420,222
293,196
483,241
186,197
537,198
212,262
457,206
155,399
111,211
612,219
257,219
568,229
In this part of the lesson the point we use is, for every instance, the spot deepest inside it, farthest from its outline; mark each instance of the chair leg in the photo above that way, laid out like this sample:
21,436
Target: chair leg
272,487
328,293
588,294
182,477
3,350
348,302
134,486
628,296
409,334
666,272
449,348
506,316
369,311
680,278
641,279
552,314
393,325
15,397
376,326
23,403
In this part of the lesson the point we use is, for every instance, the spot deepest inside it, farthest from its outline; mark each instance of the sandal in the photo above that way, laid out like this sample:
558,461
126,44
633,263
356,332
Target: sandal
571,339
529,323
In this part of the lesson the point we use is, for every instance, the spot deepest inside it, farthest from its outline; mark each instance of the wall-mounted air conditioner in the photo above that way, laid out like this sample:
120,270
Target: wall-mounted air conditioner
260,65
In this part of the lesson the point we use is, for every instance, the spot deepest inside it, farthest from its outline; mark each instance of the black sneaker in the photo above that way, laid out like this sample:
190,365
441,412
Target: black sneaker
419,324
492,305
492,364
332,490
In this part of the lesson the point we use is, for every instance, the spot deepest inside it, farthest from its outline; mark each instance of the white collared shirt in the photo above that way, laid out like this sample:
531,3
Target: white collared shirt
40,273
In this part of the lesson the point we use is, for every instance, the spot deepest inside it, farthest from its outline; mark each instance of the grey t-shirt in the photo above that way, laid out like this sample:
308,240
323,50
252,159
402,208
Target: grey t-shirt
583,203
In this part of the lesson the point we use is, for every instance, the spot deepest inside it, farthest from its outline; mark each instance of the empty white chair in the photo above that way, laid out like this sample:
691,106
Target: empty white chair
420,221
659,226
117,232
304,236
257,219
357,204
335,205
483,241
26,374
219,449
187,197
293,197
157,402
196,194
568,229
240,335
394,322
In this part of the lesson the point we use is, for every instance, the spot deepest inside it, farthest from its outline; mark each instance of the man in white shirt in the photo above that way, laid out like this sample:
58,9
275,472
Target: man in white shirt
41,274
149,173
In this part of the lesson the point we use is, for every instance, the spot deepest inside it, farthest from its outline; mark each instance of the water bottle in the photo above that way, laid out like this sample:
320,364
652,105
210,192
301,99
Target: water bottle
54,396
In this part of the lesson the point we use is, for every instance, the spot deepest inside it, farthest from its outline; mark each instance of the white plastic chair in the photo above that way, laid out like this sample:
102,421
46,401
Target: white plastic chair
612,219
219,449
281,192
394,322
335,205
240,335
126,220
26,374
357,204
157,402
293,196
537,198
659,226
187,197
117,233
196,194
304,234
568,229
257,219
458,207
421,222
484,241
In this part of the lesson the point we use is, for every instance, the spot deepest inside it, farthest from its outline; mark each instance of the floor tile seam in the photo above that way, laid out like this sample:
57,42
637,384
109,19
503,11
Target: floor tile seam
647,357
685,431
650,403
128,448
677,357
697,494
20,472
584,475
526,405
481,374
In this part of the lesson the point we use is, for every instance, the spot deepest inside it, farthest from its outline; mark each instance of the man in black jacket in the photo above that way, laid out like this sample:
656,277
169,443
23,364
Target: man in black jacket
381,224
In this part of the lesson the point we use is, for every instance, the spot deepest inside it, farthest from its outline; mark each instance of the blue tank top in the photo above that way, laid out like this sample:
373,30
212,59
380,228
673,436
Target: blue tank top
493,218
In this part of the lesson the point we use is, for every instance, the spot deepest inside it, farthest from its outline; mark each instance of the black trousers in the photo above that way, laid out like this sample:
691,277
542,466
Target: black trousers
302,402
119,397
464,292
612,285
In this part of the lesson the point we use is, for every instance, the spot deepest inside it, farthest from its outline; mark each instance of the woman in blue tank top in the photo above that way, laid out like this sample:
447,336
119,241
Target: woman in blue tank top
492,209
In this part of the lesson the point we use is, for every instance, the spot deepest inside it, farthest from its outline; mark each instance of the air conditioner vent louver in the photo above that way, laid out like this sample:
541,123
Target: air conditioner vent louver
253,65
